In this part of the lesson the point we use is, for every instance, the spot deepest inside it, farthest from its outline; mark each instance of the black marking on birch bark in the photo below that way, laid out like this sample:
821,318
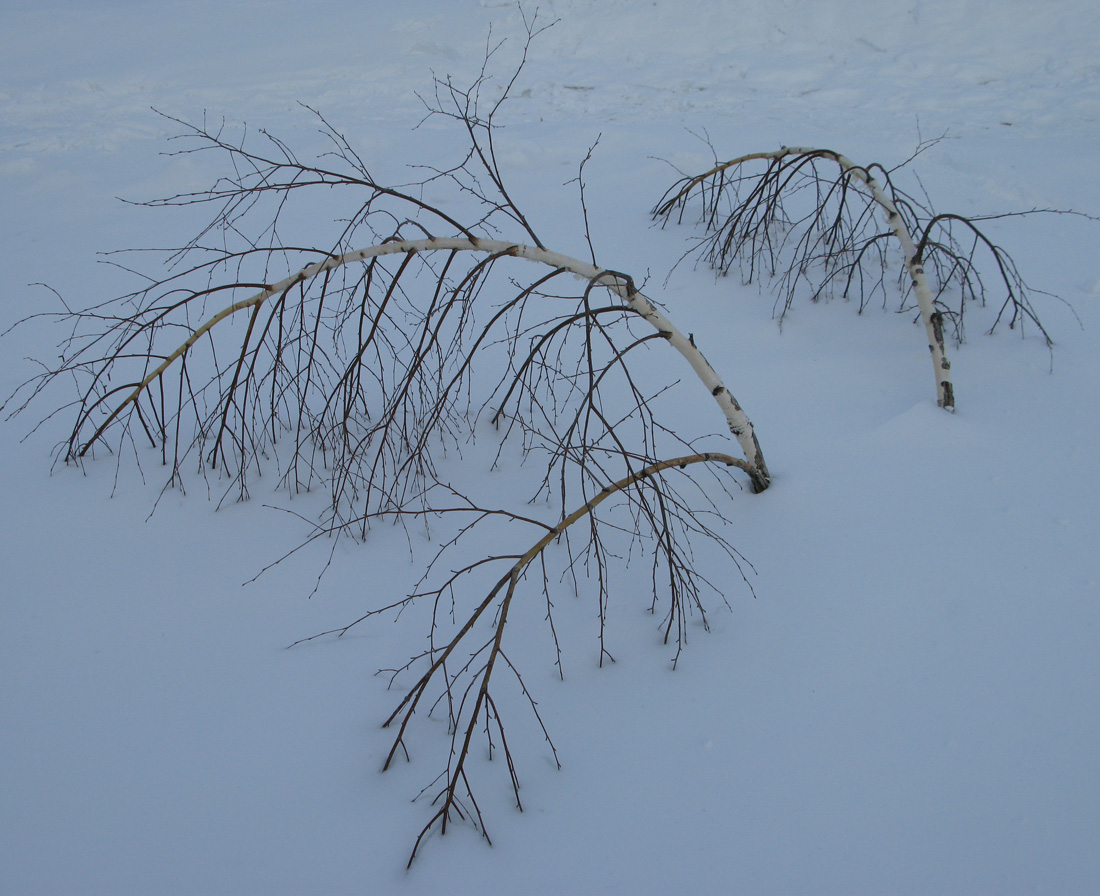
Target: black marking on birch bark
948,395
717,390
937,326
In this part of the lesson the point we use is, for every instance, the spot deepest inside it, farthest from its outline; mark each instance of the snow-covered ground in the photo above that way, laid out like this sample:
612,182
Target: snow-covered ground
911,704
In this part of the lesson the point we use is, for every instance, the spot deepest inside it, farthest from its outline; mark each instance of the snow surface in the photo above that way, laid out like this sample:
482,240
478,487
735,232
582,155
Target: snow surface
912,702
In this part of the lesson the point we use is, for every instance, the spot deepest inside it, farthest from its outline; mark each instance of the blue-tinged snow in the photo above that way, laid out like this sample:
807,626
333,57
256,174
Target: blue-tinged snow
911,704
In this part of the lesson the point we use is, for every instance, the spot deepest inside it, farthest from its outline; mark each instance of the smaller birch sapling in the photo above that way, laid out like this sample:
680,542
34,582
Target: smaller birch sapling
808,218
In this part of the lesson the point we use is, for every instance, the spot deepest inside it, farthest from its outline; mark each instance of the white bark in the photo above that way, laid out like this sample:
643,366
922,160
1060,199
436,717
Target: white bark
736,419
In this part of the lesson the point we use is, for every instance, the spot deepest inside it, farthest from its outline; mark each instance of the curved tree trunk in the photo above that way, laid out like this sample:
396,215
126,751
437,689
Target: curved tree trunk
620,284
933,320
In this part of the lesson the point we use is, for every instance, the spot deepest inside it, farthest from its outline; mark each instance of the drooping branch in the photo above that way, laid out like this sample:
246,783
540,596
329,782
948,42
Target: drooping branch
464,724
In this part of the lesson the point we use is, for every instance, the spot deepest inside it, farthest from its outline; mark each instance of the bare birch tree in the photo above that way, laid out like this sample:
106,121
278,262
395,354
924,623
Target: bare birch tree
808,218
360,362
